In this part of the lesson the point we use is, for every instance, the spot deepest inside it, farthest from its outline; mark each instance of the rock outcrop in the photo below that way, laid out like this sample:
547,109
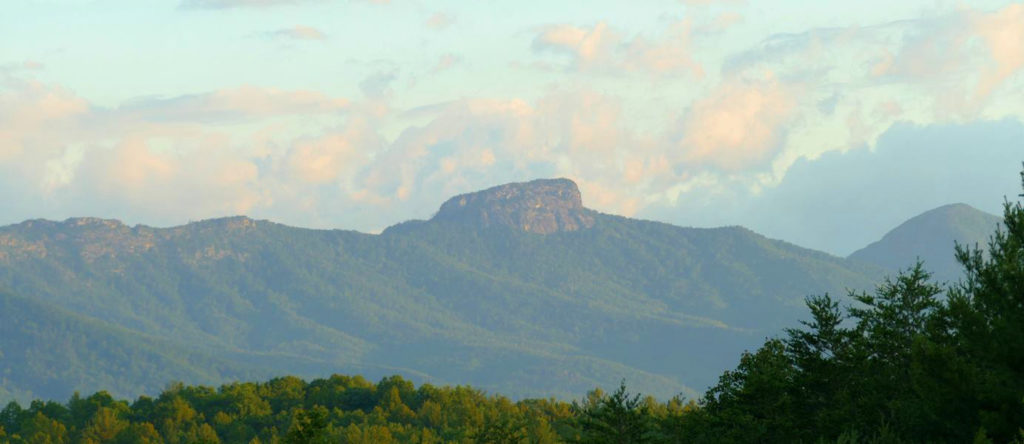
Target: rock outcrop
541,206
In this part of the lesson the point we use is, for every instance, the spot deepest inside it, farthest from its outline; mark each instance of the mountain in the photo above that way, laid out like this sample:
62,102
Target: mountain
518,289
931,237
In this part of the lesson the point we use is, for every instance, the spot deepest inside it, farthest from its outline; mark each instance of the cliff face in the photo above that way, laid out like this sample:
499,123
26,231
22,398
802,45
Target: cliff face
541,206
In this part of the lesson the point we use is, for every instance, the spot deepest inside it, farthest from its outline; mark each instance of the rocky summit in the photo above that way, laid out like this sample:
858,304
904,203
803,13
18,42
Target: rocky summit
541,206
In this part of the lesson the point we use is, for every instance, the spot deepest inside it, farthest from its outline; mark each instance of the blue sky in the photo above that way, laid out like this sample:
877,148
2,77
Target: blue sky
822,123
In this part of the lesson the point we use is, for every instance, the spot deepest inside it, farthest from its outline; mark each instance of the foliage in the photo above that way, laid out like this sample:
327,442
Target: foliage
615,418
336,409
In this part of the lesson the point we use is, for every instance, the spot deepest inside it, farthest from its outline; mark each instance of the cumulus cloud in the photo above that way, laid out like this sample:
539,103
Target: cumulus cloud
739,125
311,159
586,47
845,86
139,178
948,46
601,48
163,161
1003,34
333,155
954,61
474,143
31,116
153,160
168,149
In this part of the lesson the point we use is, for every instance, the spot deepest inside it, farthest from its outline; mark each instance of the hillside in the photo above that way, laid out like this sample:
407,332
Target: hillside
46,351
931,237
474,295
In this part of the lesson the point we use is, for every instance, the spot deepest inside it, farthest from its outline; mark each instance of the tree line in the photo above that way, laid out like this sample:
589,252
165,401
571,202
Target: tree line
341,408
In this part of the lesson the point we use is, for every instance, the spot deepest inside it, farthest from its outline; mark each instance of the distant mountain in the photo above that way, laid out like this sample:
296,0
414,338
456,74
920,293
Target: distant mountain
517,288
931,236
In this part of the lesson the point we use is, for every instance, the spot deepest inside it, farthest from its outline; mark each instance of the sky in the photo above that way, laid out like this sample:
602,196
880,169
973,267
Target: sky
821,123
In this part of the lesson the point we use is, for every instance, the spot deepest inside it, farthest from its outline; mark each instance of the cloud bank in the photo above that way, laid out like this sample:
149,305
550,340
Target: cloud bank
657,122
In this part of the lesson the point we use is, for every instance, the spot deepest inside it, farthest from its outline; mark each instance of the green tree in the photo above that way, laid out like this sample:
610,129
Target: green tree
42,430
143,433
202,434
984,318
104,426
11,416
821,355
309,427
616,418
501,426
892,328
753,403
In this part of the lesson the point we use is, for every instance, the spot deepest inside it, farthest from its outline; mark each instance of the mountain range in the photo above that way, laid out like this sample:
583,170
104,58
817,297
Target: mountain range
518,289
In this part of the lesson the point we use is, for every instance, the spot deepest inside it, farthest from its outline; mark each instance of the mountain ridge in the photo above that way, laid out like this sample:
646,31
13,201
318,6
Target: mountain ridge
447,300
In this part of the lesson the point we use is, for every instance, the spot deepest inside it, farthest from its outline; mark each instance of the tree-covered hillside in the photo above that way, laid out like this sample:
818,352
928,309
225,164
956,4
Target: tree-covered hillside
47,350
899,365
467,297
930,237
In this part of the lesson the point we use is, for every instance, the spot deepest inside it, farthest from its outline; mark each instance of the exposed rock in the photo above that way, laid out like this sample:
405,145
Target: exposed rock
94,222
541,206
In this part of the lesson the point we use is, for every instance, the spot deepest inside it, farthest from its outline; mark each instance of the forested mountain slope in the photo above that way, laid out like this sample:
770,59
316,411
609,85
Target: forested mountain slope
518,288
46,350
931,237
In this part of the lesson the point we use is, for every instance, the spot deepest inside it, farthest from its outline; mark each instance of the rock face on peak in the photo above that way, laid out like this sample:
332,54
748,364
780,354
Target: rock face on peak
541,206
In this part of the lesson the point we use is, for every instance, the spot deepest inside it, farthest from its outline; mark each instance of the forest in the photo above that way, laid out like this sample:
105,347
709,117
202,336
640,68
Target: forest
911,361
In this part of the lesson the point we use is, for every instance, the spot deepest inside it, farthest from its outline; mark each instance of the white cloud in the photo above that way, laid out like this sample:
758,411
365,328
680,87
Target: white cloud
333,155
1003,34
32,115
740,125
602,49
311,158
154,160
